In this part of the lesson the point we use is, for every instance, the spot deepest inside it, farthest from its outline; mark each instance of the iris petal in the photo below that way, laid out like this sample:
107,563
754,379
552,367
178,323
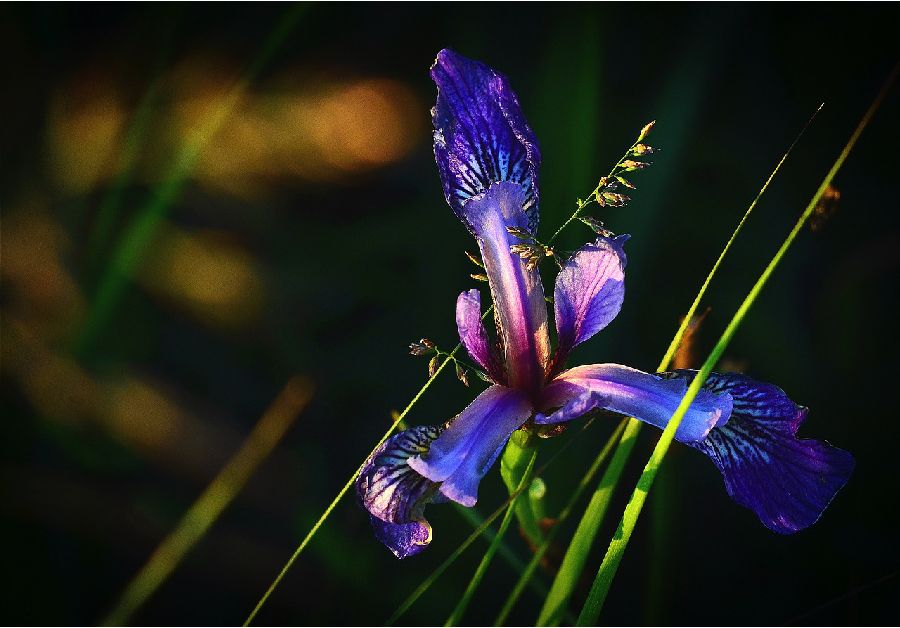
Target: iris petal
464,453
474,336
404,539
589,292
647,397
480,135
387,486
787,481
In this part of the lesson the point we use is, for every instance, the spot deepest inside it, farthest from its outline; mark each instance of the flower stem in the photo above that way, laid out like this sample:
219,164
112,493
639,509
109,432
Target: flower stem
463,603
526,577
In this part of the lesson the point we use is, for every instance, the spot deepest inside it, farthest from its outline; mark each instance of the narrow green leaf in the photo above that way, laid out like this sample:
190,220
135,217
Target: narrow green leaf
466,598
600,588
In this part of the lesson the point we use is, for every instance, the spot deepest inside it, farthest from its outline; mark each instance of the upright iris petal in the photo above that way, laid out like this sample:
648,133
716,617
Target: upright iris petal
589,292
473,335
480,135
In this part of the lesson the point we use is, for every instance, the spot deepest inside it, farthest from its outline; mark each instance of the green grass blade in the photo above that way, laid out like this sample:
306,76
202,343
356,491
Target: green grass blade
217,496
137,238
600,588
505,551
466,598
573,563
528,572
312,532
555,604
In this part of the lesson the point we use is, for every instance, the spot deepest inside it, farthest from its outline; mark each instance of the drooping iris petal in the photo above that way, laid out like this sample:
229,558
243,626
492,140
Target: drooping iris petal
647,397
403,539
461,456
480,135
474,336
787,481
395,495
519,304
589,292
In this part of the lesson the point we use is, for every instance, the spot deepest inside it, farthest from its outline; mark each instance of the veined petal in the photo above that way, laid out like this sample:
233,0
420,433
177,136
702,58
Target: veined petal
393,493
520,307
462,455
480,135
589,293
474,336
787,481
387,486
647,397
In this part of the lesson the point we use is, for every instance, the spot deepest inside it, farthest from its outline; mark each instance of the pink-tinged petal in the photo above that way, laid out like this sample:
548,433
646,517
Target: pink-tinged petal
589,293
474,336
787,481
647,397
462,455
519,304
480,135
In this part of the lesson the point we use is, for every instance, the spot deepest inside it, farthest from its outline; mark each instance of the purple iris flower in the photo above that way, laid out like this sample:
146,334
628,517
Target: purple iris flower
488,161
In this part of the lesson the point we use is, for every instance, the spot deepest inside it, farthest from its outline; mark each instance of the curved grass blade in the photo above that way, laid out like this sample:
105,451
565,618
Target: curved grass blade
526,577
138,236
600,588
466,598
573,563
108,210
217,496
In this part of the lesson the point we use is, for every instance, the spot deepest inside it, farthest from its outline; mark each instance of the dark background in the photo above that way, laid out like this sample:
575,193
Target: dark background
311,237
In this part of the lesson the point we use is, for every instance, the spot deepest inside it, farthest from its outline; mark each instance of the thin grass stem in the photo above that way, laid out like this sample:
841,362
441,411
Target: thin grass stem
346,488
504,550
482,568
426,584
590,612
218,495
526,577
576,554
